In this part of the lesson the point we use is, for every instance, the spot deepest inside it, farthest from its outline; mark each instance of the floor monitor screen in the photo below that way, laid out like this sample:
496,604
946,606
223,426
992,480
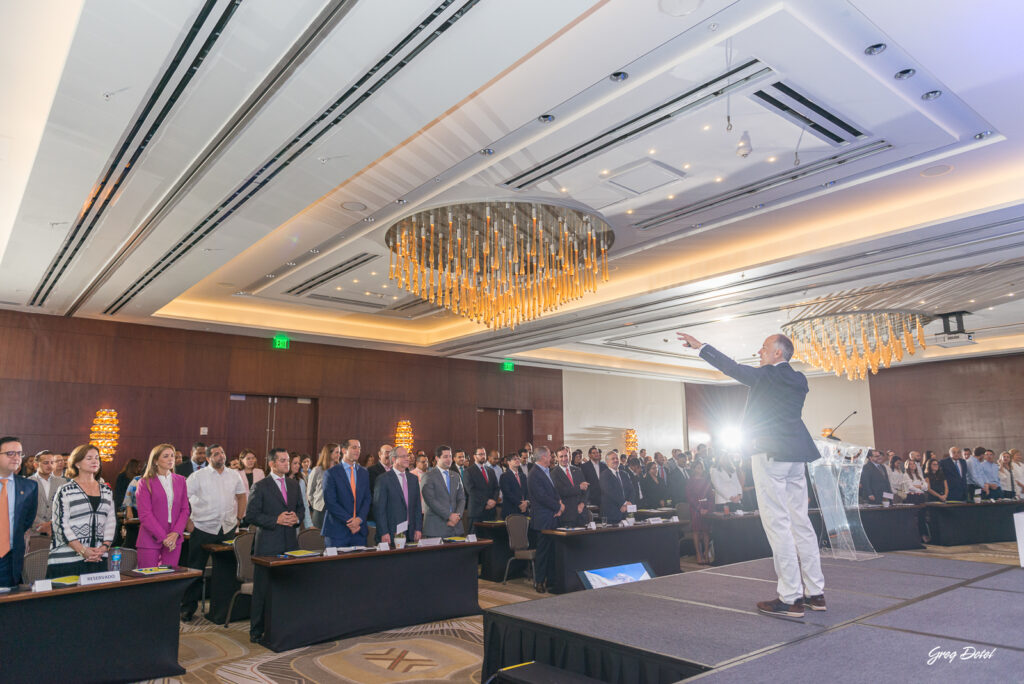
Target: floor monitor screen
615,574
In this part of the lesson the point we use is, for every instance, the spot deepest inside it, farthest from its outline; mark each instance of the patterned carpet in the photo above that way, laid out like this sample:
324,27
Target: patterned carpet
449,651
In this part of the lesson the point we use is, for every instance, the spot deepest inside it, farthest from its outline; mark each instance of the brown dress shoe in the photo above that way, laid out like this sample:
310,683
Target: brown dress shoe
777,607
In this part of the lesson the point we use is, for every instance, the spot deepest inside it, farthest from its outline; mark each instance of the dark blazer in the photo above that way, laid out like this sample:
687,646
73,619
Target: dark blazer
874,482
570,493
613,495
675,481
544,502
375,471
479,491
265,504
184,469
26,498
593,475
513,493
957,481
771,418
389,504
653,493
338,506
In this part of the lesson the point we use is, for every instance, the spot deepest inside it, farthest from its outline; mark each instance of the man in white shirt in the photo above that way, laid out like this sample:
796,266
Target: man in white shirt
217,497
48,483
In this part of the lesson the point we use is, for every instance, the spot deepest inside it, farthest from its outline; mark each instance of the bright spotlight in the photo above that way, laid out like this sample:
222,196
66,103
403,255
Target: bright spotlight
731,437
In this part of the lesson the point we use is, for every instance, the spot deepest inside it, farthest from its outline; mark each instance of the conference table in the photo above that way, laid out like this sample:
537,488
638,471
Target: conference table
957,523
56,636
494,557
223,584
585,549
318,598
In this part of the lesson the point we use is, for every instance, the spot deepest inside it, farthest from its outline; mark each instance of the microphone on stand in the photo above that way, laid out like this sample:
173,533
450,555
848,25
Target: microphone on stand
832,433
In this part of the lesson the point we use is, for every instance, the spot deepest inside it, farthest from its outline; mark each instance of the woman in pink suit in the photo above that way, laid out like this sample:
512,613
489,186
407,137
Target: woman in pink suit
162,500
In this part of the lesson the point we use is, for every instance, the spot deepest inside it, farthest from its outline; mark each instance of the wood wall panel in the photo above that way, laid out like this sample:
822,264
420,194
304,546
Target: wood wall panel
166,383
968,402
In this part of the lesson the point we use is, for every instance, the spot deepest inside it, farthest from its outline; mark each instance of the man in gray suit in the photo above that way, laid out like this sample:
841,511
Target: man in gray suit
444,496
47,485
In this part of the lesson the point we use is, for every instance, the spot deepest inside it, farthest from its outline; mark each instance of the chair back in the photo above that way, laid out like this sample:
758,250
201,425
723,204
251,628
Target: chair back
311,540
683,511
129,559
38,543
243,557
34,566
518,527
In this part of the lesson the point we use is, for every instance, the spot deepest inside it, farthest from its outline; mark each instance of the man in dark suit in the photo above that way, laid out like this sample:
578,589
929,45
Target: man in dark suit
572,489
276,508
874,481
397,499
616,490
779,445
18,500
346,499
592,472
676,477
955,469
190,466
382,466
515,493
481,489
547,508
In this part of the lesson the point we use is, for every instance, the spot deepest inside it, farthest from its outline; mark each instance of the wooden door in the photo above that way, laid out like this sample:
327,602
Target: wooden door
503,429
488,430
294,425
260,422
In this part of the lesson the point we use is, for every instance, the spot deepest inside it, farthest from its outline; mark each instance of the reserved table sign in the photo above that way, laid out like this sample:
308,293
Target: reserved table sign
91,578
655,521
471,537
430,541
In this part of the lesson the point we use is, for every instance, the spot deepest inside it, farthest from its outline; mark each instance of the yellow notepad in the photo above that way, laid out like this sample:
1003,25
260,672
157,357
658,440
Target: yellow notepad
301,553
159,570
66,580
229,542
455,539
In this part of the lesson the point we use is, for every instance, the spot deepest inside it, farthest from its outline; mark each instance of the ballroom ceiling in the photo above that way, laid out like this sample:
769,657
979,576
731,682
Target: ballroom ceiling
233,165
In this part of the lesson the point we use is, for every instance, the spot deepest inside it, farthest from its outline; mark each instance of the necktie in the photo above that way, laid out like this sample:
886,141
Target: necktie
284,492
516,473
568,472
483,470
352,481
447,481
405,490
5,520
661,473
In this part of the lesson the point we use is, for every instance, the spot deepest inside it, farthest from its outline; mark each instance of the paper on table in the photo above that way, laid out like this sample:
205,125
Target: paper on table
402,527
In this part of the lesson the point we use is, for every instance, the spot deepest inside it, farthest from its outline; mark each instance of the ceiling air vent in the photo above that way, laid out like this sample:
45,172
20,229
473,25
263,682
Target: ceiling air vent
643,122
413,308
330,274
809,115
347,302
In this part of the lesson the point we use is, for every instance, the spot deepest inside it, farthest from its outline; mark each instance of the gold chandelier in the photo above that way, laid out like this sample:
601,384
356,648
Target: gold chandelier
500,264
855,342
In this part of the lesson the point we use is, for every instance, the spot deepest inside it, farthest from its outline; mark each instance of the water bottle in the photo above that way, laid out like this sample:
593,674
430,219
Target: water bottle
115,559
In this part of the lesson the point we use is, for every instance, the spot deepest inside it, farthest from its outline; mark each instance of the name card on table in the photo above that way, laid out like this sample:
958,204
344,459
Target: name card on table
471,537
91,578
592,525
631,508
402,527
430,541
674,518
655,521
887,495
331,551
42,585
383,546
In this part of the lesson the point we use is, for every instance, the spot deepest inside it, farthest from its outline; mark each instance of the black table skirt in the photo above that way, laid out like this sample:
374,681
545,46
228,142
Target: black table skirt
308,603
508,641
222,586
737,539
494,557
955,524
59,637
656,544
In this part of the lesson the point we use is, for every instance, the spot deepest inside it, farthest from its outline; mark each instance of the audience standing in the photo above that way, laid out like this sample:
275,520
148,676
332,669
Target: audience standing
47,484
197,461
347,499
330,454
162,499
444,497
482,489
397,499
18,500
84,518
572,488
515,492
546,510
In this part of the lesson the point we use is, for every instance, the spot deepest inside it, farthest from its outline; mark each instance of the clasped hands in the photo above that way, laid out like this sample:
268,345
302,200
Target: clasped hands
353,524
170,541
288,519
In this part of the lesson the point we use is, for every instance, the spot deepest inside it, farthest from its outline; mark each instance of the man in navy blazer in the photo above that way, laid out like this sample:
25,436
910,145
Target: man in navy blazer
18,508
546,509
345,519
481,490
616,490
955,469
591,470
396,499
515,491
779,446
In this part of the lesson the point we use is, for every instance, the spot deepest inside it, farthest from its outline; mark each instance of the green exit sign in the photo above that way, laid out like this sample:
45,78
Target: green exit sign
281,341
508,365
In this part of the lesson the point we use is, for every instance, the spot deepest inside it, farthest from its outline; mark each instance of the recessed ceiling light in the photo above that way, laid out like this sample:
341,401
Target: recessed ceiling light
605,172
289,263
240,293
876,49
355,280
629,211
353,206
367,293
564,190
923,302
856,308
314,251
938,170
718,179
546,118
707,127
686,166
394,296
1010,295
384,286
904,74
651,151
618,76
932,95
982,135
373,273
271,275
487,152
369,219
401,200
970,301
771,160
338,288
671,196
990,308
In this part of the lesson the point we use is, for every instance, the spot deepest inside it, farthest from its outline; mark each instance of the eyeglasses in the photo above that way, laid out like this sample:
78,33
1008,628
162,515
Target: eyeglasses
13,454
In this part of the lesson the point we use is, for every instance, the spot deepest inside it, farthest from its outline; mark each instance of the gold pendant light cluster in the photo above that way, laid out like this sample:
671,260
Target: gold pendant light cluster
500,264
856,342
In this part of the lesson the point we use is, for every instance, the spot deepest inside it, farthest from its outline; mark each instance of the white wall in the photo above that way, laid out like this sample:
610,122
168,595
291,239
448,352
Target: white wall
598,408
829,401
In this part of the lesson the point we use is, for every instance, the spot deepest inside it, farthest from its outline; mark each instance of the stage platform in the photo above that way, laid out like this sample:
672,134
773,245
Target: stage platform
887,618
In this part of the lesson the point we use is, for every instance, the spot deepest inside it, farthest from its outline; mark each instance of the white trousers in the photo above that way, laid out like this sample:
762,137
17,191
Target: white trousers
782,501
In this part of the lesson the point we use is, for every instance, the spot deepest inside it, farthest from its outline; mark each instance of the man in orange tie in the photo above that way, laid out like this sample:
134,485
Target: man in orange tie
347,499
18,501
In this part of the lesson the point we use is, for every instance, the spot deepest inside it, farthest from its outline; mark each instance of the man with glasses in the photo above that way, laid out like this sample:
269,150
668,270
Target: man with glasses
47,483
18,500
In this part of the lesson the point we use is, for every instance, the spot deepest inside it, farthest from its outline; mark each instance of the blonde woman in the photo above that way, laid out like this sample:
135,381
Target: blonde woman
330,455
84,518
162,500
